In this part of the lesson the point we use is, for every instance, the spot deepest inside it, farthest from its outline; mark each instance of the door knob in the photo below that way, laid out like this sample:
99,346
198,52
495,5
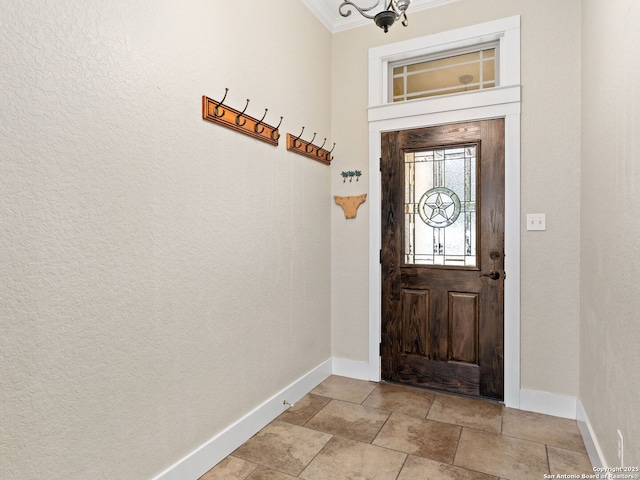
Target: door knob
493,275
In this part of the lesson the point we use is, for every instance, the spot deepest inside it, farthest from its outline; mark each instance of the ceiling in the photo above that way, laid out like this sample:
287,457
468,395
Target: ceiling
327,12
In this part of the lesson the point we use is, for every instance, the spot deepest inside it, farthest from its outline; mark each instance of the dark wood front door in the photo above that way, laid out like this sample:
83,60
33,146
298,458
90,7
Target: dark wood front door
443,257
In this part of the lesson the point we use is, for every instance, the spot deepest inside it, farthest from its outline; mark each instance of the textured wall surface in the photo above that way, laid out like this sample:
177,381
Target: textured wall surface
161,276
610,269
550,66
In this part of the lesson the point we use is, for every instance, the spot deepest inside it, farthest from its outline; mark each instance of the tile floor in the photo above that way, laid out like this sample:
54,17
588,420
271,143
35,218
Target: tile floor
349,429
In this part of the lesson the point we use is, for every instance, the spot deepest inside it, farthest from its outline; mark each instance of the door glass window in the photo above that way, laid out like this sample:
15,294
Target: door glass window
440,207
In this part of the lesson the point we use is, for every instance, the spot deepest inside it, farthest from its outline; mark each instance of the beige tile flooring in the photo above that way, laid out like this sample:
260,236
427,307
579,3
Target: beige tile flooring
349,429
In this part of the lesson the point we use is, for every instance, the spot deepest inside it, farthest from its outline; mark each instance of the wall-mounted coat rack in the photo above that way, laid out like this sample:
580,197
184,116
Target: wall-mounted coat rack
226,116
308,149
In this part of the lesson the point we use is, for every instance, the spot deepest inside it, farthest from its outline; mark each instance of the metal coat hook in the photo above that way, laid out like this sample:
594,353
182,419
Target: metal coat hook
215,109
255,129
295,141
324,153
320,152
244,120
310,144
274,133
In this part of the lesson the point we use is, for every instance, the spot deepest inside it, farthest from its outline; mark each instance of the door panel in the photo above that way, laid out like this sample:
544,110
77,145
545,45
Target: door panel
463,327
415,331
442,238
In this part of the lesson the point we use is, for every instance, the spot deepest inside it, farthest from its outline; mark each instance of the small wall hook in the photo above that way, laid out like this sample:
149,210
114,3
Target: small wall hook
215,109
319,151
244,120
295,141
310,144
275,135
255,129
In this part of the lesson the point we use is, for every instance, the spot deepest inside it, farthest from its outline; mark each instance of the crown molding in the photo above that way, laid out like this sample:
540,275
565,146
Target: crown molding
327,12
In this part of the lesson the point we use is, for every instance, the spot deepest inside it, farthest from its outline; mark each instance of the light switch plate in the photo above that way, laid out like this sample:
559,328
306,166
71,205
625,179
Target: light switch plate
536,221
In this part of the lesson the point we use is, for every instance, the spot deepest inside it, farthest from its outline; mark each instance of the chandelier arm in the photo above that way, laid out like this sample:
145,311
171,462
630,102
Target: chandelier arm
405,20
361,10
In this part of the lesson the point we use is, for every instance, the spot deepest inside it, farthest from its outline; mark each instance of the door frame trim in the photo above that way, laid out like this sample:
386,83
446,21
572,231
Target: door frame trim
501,102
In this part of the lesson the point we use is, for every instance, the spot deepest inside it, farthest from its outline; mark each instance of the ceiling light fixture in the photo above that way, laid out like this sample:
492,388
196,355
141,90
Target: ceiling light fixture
395,10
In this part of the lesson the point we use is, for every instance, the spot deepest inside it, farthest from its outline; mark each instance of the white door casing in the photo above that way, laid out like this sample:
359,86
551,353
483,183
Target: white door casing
500,102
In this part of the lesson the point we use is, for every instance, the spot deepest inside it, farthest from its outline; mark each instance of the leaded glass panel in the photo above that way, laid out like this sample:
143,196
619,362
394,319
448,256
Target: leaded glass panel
440,207
421,78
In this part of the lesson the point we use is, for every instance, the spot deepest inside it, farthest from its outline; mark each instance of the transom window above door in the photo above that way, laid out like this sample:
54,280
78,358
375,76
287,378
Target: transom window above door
446,73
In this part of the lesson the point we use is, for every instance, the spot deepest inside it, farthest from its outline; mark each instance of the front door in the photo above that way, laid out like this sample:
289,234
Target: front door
443,257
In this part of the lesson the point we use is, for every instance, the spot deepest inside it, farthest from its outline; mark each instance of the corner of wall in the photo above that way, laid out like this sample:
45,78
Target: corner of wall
205,457
588,435
548,403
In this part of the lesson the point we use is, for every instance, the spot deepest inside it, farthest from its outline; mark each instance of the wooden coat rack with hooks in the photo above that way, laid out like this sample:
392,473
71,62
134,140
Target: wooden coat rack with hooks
218,112
308,149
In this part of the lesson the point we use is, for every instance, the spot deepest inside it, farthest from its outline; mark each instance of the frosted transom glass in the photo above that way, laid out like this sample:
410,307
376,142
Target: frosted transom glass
440,207
443,76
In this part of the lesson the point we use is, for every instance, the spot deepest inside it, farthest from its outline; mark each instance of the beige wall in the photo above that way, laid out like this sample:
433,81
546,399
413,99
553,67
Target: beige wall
610,300
550,179
161,276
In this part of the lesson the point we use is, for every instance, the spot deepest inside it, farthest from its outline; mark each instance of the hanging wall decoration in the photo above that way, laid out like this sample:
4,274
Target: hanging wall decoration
350,204
308,149
350,174
239,121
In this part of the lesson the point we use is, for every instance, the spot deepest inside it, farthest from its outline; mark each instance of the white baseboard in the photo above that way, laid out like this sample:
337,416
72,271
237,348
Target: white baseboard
198,462
202,459
589,437
537,401
352,369
548,403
